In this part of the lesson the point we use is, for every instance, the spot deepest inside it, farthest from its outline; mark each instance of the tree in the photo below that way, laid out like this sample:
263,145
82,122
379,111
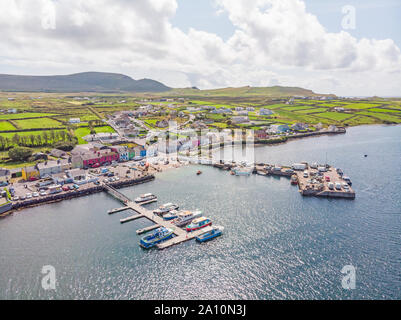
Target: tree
52,136
3,143
64,145
45,137
20,153
32,139
16,139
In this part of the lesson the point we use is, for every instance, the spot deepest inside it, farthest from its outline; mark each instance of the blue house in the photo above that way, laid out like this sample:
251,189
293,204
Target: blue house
279,128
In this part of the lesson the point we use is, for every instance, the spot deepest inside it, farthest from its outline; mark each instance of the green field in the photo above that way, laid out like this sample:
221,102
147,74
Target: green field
313,110
384,110
336,116
38,123
6,126
382,116
25,115
82,132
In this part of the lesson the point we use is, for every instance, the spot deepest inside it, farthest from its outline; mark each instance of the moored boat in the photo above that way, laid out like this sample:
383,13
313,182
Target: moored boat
214,233
199,172
158,236
199,223
242,171
167,207
185,217
294,179
173,214
145,197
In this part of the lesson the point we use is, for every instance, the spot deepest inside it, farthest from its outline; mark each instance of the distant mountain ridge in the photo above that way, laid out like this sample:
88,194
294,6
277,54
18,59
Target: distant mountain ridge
79,82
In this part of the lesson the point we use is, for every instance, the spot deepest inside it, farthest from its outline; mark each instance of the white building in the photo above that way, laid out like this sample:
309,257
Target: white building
74,120
265,112
241,119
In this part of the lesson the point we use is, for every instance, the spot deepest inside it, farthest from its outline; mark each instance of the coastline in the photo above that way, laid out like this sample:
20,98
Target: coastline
16,207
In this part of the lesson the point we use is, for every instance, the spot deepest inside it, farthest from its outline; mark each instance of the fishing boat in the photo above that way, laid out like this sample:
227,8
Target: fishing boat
294,179
167,207
158,236
173,214
242,171
347,180
261,173
214,233
185,217
199,223
145,197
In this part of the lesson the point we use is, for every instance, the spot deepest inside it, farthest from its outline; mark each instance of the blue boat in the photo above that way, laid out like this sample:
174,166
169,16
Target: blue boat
158,236
173,214
214,233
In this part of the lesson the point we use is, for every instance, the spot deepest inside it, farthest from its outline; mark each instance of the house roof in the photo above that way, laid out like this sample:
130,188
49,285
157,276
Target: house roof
4,172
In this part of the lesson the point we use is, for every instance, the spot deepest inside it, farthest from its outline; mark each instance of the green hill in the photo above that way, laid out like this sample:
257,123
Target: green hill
242,92
80,82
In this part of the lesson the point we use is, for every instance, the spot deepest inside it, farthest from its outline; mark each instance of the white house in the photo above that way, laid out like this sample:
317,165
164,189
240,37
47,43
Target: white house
240,119
265,112
74,120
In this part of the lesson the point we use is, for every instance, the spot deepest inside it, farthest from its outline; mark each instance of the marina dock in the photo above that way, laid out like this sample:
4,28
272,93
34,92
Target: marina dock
117,210
147,229
315,184
131,218
181,235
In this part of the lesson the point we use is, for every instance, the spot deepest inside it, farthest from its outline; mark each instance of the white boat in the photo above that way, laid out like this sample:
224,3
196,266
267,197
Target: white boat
145,197
167,207
242,171
186,217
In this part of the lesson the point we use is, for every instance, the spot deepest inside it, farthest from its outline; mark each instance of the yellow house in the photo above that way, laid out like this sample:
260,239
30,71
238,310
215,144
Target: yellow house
29,173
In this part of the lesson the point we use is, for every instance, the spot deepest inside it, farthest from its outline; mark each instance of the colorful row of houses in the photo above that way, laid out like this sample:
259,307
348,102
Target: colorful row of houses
83,156
90,155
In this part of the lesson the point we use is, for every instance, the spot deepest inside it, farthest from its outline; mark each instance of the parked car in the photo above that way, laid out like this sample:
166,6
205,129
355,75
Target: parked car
76,187
43,193
16,198
23,197
97,183
306,174
338,186
66,188
29,195
35,194
327,178
71,187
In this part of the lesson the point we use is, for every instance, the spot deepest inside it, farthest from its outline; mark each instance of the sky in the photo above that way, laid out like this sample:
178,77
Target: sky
349,48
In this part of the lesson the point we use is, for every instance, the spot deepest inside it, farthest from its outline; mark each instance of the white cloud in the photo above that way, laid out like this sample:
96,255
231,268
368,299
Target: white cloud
276,41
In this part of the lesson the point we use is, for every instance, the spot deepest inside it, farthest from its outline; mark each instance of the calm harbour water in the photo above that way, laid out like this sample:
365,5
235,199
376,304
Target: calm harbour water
277,244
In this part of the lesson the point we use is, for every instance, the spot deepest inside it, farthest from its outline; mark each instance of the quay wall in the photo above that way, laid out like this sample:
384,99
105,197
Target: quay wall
75,194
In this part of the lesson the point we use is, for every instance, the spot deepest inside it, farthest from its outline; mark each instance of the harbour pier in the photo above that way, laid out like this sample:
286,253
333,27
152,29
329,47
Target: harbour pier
181,235
319,181
117,210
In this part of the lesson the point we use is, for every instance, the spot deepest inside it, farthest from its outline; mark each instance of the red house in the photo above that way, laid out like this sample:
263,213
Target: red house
99,157
261,134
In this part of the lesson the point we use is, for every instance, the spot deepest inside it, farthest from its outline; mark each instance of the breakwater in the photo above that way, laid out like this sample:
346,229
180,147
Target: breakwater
65,195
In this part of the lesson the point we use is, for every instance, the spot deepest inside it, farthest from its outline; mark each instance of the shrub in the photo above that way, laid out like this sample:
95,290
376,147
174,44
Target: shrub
64,145
20,153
